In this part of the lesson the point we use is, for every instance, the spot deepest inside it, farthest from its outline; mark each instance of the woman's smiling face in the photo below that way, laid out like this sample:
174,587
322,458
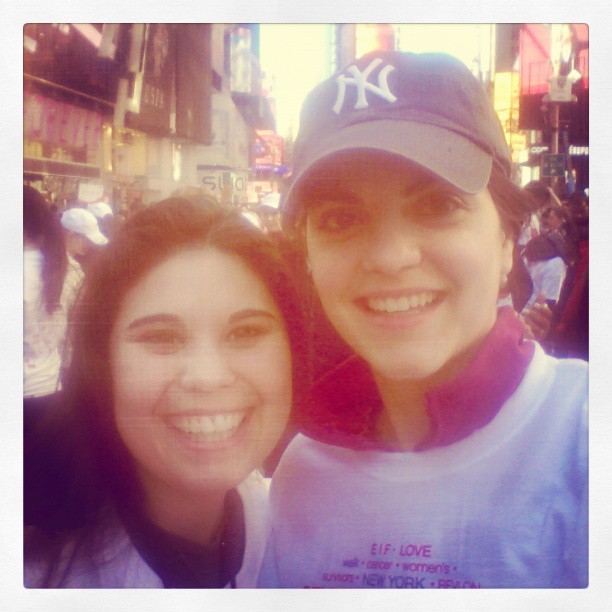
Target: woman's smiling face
408,270
201,371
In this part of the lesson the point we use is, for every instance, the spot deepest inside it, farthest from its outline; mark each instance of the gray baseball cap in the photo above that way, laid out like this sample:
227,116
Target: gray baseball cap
427,108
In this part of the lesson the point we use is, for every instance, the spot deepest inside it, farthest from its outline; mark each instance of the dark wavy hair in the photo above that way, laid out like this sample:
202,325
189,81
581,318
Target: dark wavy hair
42,227
93,467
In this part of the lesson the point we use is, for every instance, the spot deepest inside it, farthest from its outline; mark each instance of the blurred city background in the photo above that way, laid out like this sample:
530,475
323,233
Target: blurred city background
131,113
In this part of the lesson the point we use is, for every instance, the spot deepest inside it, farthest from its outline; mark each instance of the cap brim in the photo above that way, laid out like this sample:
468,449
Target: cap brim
447,154
97,238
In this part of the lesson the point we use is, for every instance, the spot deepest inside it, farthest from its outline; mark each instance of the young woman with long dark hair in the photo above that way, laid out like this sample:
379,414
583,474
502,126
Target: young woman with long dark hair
180,385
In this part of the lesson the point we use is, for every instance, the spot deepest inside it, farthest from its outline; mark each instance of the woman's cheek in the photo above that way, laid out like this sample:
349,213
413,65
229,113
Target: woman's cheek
136,380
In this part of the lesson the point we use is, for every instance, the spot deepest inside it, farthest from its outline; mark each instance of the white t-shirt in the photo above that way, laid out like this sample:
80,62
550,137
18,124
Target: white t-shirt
530,231
505,507
547,277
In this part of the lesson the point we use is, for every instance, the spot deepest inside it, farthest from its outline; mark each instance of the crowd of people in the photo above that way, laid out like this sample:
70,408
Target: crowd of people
391,388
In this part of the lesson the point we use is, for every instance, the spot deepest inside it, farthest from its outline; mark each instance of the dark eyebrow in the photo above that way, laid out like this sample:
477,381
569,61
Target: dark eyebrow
250,312
151,319
428,186
327,196
325,189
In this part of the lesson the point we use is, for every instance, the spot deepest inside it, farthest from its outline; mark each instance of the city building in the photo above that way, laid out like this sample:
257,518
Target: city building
132,113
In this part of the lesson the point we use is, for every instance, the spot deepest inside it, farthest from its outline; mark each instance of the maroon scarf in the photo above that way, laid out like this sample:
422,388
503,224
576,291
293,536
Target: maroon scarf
344,405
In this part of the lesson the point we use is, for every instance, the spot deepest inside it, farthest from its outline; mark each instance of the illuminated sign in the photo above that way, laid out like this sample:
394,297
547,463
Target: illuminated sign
268,150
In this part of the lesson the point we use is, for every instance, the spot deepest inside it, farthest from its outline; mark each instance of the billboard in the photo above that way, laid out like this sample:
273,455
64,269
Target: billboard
152,115
73,56
194,82
268,150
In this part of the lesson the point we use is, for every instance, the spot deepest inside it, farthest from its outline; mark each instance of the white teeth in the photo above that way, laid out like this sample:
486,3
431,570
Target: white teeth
401,304
217,427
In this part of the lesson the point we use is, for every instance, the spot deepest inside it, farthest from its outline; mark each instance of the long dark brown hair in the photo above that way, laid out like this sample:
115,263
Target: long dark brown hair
91,467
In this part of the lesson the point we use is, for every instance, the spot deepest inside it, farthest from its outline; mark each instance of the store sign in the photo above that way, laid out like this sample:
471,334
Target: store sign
574,150
268,150
553,165
227,185
55,129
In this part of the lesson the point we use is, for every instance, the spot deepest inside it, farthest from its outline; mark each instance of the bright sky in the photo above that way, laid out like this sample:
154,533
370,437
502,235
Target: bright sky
296,54
298,57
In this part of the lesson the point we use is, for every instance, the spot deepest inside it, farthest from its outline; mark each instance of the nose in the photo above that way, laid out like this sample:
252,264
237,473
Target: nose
205,369
391,247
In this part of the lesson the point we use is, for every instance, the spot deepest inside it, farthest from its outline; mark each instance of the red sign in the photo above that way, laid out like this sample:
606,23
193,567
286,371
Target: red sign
268,150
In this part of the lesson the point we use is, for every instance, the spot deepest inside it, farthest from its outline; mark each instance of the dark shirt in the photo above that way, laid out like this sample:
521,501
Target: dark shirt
182,564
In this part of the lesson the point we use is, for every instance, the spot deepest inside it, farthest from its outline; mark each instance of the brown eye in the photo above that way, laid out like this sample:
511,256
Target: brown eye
439,207
161,341
247,335
337,219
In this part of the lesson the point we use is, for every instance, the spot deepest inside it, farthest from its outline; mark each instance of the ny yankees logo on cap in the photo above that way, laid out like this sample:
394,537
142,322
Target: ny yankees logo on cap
360,81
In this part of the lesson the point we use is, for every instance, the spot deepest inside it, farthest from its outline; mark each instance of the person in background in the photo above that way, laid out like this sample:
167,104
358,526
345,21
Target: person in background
448,450
542,194
546,257
181,384
81,235
103,212
44,311
271,219
570,333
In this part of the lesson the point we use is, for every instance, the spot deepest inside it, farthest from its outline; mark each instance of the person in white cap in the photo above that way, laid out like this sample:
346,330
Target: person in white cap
105,216
100,209
81,232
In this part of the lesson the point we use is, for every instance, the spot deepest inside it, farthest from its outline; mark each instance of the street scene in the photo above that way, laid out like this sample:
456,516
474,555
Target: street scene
306,306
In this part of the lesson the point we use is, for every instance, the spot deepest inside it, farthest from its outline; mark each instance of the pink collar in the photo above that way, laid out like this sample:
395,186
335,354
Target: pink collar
344,405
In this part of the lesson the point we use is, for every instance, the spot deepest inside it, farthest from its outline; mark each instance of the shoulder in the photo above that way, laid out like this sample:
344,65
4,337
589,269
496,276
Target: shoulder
107,558
565,380
569,377
552,398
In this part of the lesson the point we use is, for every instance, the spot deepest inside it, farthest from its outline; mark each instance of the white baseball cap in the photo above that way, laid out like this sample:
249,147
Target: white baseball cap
83,222
100,209
252,218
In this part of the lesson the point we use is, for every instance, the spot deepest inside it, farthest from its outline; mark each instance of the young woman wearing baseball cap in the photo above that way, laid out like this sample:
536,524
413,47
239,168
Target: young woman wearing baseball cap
449,450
